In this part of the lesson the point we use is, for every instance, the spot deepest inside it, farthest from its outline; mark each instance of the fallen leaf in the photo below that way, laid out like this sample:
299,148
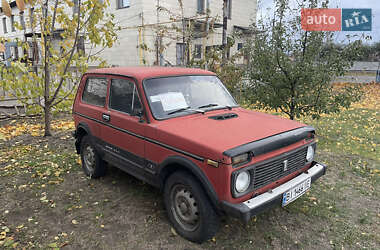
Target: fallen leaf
53,245
8,241
173,231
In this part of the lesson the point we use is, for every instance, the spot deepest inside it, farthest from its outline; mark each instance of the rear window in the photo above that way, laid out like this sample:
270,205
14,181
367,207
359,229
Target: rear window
95,91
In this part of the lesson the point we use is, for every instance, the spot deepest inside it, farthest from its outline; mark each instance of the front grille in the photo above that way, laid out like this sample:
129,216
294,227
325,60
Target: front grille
273,170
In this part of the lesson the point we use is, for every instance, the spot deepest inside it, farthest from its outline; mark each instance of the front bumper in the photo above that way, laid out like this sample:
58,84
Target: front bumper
245,210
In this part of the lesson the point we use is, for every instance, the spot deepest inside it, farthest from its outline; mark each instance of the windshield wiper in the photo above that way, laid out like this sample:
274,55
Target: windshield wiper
214,105
227,106
208,105
185,109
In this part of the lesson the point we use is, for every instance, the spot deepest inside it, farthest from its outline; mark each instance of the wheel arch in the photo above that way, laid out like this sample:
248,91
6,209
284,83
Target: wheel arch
179,163
81,130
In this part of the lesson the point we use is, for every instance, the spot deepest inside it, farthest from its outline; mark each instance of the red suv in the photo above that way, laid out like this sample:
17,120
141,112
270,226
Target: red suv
180,130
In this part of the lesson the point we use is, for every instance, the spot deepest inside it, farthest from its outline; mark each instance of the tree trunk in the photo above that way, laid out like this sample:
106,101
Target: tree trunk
291,115
47,111
48,102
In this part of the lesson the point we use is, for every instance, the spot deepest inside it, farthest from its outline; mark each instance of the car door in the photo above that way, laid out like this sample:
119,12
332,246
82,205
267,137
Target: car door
123,132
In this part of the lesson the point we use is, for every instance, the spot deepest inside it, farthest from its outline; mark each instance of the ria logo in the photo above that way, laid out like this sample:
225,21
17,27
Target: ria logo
336,19
285,165
356,19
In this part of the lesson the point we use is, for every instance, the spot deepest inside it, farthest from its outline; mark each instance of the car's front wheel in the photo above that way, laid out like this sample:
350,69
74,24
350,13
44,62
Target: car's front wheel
92,163
189,209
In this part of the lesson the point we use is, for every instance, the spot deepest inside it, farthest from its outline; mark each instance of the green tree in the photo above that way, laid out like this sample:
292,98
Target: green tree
290,69
60,28
370,52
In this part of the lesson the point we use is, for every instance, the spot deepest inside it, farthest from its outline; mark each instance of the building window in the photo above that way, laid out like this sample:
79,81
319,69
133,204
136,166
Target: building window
33,54
76,6
15,53
5,25
239,46
80,45
180,52
13,28
198,51
31,16
22,21
201,6
123,4
229,9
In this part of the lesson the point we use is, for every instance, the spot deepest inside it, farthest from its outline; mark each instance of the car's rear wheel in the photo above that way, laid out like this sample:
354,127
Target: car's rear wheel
92,163
189,208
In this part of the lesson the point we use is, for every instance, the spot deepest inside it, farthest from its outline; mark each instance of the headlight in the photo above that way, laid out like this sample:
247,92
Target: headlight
240,158
242,181
310,154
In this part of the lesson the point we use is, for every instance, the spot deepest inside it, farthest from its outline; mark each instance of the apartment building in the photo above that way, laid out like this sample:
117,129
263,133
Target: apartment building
153,32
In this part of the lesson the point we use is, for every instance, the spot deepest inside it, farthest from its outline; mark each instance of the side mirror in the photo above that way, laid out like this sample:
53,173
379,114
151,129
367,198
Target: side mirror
139,113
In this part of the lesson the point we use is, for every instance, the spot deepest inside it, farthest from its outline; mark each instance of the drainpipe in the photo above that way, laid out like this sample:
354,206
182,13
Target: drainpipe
224,35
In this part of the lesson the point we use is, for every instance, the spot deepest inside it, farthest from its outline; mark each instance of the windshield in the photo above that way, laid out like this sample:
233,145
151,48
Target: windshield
181,95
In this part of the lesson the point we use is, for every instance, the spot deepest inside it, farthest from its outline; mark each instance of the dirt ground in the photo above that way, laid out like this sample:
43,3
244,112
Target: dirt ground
46,201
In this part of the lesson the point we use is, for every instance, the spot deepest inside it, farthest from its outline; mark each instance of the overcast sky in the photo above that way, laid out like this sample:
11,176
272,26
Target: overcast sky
265,10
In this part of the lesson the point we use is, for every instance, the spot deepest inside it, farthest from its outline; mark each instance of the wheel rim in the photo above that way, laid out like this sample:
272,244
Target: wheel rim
184,207
89,158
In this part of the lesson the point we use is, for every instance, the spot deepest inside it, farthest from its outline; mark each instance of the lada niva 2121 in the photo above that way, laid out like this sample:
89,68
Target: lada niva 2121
180,130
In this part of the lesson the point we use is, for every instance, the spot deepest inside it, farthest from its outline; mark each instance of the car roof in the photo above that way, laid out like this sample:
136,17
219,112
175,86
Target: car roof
141,73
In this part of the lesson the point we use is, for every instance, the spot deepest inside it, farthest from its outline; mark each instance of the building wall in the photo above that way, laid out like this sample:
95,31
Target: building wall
16,34
125,51
138,28
12,34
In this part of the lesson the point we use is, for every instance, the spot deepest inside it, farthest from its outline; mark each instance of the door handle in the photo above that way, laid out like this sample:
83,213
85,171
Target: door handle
106,117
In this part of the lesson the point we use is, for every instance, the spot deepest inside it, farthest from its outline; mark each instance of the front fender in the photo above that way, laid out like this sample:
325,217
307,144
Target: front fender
175,163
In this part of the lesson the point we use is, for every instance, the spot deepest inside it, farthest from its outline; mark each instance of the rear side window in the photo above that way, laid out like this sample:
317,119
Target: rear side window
95,91
124,96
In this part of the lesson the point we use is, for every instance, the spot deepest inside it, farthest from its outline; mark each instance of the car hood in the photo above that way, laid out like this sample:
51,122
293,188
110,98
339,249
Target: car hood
205,137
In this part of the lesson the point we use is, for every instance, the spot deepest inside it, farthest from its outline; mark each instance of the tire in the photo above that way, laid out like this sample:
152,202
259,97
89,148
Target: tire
92,164
189,209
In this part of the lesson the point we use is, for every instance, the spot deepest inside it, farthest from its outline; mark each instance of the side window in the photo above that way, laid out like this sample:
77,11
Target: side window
95,91
124,96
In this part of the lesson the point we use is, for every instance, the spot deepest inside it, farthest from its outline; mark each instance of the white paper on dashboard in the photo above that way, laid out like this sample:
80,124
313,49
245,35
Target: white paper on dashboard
172,101
155,98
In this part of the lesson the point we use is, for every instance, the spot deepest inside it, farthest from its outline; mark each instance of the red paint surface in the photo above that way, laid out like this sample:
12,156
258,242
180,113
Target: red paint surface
210,138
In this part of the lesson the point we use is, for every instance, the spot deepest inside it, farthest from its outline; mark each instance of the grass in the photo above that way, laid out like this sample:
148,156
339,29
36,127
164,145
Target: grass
47,202
349,143
353,131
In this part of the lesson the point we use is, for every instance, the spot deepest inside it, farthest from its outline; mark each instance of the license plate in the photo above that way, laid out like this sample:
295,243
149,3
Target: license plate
296,191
